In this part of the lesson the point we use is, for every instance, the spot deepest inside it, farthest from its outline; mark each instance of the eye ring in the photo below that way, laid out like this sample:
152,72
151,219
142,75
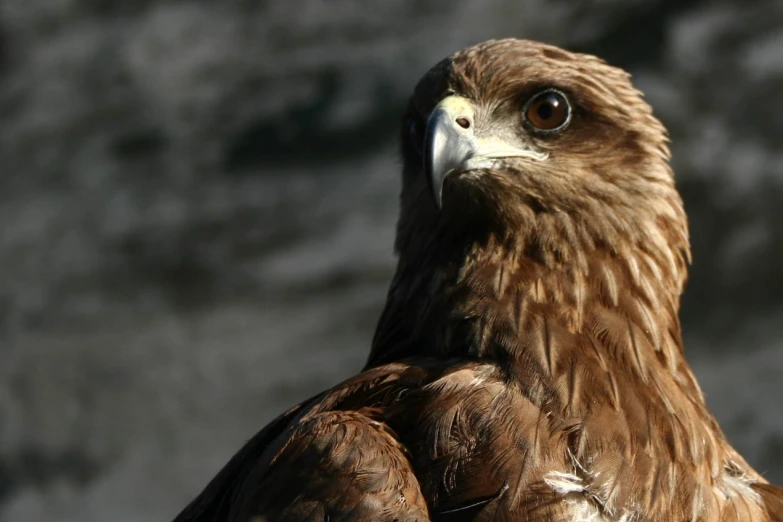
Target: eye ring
547,112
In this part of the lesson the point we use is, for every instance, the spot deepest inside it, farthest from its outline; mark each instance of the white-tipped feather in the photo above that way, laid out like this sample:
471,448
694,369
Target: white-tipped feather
583,508
564,483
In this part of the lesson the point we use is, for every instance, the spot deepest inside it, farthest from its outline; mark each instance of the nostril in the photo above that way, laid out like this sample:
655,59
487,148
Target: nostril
463,122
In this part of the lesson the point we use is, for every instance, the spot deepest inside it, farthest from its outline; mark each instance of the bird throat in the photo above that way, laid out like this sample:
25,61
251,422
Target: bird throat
538,299
495,283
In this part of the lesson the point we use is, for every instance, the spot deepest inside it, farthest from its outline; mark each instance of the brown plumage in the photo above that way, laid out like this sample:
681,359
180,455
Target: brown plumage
529,363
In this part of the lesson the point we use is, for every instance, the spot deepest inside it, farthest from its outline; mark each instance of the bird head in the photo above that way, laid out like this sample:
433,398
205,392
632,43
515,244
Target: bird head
509,130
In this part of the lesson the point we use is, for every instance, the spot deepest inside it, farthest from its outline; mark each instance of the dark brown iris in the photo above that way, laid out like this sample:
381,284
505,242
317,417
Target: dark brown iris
547,111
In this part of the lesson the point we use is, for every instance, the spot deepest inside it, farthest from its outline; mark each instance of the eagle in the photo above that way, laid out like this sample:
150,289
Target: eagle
528,364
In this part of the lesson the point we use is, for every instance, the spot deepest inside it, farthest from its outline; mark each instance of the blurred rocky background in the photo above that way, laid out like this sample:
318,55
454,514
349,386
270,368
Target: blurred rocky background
197,203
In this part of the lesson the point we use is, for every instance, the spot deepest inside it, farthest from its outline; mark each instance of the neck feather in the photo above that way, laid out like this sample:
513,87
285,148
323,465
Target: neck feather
557,287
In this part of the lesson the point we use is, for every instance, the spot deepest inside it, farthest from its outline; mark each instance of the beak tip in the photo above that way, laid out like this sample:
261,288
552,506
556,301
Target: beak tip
434,181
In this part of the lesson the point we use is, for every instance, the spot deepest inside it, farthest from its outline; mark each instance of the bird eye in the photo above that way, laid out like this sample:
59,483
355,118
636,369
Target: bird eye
548,111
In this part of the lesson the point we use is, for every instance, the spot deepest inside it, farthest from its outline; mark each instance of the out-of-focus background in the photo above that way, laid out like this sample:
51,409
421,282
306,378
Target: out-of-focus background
197,203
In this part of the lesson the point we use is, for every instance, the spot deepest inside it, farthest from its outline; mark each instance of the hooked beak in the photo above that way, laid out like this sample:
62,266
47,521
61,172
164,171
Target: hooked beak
450,145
